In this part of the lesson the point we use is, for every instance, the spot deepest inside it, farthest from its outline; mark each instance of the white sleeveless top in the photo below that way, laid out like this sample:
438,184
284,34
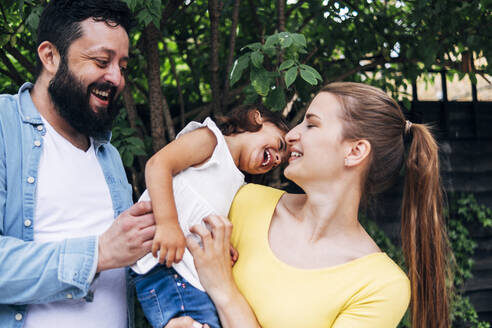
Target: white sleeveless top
199,192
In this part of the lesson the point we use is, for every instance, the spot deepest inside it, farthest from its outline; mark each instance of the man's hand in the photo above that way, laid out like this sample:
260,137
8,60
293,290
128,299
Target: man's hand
128,238
170,242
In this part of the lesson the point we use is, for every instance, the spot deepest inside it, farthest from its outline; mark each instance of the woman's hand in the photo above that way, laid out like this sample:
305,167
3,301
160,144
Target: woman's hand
214,265
184,322
213,260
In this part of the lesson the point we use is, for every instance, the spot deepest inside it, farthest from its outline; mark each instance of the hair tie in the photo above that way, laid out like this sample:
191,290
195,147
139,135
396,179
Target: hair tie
408,125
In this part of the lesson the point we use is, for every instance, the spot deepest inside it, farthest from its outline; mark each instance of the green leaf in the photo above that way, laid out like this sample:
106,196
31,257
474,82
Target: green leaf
261,81
127,158
290,76
286,41
276,100
309,77
257,59
252,46
136,142
286,64
312,70
270,41
299,40
239,66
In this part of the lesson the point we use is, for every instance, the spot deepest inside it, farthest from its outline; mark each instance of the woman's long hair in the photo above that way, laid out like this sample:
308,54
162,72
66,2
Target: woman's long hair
369,113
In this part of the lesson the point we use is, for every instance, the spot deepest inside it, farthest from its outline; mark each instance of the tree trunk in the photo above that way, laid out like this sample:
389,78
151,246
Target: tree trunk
151,35
281,15
232,45
214,12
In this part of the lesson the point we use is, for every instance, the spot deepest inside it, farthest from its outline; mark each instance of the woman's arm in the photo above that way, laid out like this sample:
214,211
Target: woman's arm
214,266
191,149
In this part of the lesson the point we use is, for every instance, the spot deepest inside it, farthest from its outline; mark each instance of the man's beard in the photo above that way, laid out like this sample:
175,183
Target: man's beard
71,99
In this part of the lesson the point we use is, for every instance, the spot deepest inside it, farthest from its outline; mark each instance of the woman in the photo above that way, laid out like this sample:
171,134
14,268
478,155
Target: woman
305,260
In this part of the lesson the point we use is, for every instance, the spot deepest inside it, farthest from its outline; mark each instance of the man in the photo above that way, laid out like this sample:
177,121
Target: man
62,184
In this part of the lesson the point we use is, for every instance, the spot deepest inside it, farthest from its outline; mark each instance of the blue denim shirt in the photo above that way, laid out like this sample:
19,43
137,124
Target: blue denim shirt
33,272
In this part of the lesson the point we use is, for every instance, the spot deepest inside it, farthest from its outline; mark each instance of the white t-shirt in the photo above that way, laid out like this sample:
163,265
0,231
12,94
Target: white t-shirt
73,200
199,192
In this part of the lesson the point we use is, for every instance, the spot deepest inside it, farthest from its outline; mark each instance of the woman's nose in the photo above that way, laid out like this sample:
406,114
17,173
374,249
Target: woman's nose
292,135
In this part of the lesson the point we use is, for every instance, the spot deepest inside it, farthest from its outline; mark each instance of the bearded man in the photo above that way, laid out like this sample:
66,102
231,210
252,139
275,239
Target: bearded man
65,203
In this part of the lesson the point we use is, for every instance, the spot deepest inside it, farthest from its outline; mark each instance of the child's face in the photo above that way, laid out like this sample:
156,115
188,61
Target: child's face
262,150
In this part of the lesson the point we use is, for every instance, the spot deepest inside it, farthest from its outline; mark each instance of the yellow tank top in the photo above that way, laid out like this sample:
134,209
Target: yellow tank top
371,291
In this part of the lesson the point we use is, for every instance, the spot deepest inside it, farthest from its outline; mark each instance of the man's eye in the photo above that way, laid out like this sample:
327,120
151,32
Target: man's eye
123,69
102,62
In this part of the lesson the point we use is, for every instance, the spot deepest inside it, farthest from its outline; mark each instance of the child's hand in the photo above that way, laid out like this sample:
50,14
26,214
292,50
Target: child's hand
234,254
170,241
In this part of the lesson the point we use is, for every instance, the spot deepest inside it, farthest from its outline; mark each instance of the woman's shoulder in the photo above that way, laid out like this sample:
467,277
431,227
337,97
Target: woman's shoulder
255,193
254,199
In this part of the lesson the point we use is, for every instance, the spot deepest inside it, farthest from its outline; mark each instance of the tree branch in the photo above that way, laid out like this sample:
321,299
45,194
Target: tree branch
151,35
14,74
232,45
281,15
294,7
21,59
214,12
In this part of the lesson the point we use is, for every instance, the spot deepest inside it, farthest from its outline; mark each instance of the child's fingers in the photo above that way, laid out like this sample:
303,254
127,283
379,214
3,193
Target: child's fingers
171,254
163,254
155,248
179,254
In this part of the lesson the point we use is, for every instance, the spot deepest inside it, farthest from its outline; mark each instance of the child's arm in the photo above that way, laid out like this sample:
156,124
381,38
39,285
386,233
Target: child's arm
190,149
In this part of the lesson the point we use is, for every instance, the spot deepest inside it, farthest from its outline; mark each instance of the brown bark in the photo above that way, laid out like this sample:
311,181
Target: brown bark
281,15
232,45
214,12
152,35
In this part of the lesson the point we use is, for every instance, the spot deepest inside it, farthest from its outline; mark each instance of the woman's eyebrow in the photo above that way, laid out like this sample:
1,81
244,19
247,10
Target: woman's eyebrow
311,115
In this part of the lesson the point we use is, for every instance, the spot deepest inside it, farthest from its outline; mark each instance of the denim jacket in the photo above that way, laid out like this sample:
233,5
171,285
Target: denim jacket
33,272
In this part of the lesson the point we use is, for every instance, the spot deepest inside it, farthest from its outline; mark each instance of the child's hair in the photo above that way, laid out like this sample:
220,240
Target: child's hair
242,119
369,113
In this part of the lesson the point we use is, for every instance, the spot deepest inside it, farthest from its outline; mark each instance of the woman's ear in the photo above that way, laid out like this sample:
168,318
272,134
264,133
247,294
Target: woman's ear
359,150
49,56
257,116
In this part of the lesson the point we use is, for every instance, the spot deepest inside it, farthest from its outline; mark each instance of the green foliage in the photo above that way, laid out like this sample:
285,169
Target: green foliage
274,66
125,140
463,212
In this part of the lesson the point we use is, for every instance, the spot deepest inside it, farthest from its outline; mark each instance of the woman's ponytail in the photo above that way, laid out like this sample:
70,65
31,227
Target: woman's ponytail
425,245
369,113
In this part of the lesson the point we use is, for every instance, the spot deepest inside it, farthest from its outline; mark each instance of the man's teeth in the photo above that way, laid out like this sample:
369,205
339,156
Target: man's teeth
101,93
267,160
295,154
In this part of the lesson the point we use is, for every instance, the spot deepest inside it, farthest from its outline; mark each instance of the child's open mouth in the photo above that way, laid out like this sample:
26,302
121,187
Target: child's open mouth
266,158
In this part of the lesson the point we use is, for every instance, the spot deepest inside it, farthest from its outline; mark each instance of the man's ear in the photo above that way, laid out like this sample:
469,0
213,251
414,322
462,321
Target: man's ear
358,151
257,116
50,57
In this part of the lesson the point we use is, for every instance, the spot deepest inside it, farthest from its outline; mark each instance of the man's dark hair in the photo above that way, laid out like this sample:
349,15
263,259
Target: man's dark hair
242,119
60,21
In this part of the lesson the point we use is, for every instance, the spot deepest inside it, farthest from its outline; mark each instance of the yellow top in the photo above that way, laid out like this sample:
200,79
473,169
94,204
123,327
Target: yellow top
371,291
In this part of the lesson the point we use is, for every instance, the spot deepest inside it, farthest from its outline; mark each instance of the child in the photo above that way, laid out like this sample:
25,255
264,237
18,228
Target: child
196,175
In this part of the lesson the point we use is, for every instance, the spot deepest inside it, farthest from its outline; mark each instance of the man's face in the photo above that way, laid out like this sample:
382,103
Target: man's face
90,78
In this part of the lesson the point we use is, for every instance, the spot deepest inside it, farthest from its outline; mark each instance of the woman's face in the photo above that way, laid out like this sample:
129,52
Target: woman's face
317,151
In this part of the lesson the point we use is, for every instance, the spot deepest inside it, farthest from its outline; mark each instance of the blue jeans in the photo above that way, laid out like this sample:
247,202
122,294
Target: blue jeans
164,295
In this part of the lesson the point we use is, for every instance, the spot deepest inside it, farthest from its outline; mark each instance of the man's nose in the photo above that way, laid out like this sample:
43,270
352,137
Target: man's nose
114,75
